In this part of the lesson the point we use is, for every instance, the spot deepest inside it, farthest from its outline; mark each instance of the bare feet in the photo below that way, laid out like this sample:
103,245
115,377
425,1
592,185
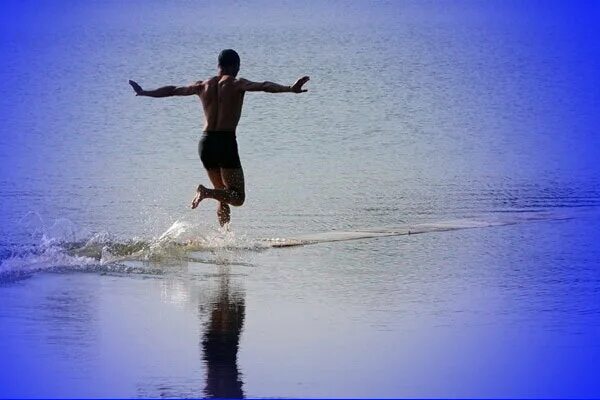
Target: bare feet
223,213
200,195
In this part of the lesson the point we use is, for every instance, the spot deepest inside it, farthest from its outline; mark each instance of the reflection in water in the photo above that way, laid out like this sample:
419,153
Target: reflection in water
221,341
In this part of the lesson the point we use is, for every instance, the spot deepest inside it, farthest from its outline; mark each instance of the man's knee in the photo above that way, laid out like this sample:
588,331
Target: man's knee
239,199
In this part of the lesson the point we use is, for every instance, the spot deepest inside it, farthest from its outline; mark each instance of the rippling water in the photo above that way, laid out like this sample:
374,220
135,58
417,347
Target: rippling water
416,112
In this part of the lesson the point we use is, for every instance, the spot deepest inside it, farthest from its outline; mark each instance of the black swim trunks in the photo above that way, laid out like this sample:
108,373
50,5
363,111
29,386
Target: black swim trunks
218,149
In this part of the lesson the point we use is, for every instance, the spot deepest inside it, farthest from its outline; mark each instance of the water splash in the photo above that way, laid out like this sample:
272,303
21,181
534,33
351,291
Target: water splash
62,246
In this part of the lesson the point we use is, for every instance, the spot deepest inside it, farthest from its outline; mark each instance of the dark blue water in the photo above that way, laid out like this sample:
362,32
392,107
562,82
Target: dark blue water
416,112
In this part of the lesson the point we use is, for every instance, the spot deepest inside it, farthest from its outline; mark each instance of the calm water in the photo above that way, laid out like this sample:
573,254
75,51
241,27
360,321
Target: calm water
416,112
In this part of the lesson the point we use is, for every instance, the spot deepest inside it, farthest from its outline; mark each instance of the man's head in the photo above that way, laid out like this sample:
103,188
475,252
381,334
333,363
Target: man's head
229,62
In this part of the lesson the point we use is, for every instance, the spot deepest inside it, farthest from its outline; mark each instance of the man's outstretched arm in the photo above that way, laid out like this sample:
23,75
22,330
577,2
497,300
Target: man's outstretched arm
270,87
167,91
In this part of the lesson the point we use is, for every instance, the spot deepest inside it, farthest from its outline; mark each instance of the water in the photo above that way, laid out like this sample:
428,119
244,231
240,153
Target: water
416,112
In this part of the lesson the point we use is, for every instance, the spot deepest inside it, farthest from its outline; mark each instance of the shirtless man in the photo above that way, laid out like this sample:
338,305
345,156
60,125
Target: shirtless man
222,98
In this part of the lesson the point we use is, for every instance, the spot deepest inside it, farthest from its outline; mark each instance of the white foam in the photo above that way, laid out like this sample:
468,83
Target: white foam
43,259
439,226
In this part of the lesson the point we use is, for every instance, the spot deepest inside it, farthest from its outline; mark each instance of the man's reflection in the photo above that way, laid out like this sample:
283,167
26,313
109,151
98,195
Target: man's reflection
220,343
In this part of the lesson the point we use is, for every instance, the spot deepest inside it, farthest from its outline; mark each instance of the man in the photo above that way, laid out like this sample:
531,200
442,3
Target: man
222,98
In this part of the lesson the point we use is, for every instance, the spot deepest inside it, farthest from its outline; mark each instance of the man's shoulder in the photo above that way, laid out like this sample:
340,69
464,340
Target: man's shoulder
242,83
209,80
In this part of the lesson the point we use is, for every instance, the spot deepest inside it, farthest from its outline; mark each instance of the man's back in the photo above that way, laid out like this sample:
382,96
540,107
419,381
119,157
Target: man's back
222,100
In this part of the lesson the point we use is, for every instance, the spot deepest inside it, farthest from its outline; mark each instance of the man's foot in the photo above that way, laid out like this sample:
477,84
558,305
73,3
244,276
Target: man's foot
223,213
200,195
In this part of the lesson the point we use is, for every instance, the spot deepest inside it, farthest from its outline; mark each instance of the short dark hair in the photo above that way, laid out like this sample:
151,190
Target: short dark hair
229,58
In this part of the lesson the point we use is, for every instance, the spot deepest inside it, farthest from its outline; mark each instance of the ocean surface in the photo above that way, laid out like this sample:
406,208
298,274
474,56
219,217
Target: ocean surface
416,112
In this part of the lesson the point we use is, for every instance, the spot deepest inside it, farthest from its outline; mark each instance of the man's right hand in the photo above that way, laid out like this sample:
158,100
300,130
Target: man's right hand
137,88
297,87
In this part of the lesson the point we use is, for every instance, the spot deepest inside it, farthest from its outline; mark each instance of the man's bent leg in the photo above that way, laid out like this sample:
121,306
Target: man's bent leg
234,192
233,179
